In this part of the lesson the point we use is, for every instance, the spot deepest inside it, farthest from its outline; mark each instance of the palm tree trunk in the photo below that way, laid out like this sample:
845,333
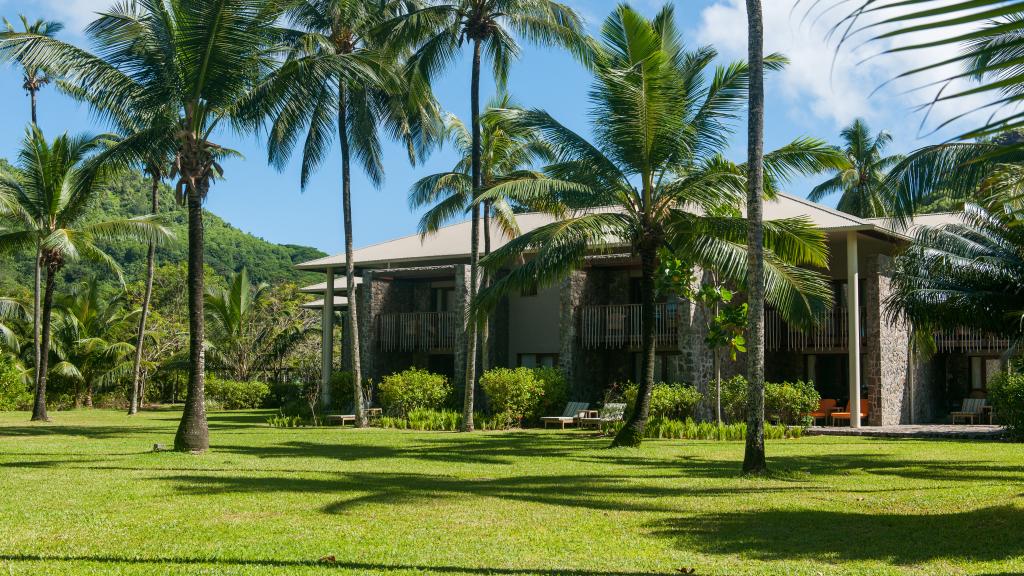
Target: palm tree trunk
39,407
485,280
632,432
36,310
350,271
474,253
137,398
754,456
193,434
718,386
32,94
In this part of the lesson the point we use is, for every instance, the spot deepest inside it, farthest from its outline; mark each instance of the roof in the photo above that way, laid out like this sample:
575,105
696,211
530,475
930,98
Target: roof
340,286
340,302
453,242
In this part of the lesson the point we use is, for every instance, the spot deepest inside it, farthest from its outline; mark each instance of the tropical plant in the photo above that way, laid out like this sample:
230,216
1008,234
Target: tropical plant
34,77
412,389
1006,391
656,178
341,75
489,26
160,55
861,181
52,184
88,345
668,400
12,314
237,394
246,337
513,393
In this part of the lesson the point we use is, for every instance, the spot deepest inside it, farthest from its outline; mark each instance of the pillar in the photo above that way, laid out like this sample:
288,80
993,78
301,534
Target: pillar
853,324
327,341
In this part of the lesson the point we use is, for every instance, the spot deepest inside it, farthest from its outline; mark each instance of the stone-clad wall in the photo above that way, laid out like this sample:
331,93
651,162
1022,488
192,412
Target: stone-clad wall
886,363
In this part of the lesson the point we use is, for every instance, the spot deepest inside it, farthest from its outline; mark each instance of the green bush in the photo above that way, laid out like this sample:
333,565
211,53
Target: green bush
787,402
556,392
406,391
513,394
342,391
235,395
282,421
667,400
14,393
424,419
1006,393
670,428
734,399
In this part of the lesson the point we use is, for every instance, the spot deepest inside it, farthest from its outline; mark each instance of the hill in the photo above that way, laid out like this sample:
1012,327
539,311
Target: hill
228,249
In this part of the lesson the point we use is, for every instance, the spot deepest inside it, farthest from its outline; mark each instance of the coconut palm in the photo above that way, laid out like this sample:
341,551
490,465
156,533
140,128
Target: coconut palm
489,27
35,78
13,313
88,345
754,456
655,177
156,55
509,154
342,77
244,338
53,183
861,181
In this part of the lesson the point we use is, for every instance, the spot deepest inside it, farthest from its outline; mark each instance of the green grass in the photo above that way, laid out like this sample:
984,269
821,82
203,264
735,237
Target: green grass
85,495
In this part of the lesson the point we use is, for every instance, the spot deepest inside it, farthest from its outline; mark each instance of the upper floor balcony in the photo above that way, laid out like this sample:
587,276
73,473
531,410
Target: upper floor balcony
621,325
419,331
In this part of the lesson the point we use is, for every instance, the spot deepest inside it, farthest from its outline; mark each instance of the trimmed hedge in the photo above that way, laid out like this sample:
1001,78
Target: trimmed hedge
667,400
235,395
513,394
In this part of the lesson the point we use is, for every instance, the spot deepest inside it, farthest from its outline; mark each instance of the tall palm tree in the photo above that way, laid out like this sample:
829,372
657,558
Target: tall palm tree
861,181
342,76
509,154
53,183
655,177
156,55
12,314
244,339
488,26
754,456
35,78
87,341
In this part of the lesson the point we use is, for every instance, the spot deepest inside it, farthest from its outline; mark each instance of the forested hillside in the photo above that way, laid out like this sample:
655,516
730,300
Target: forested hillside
228,249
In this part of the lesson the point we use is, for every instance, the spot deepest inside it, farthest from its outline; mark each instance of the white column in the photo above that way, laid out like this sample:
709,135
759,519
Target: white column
853,323
327,349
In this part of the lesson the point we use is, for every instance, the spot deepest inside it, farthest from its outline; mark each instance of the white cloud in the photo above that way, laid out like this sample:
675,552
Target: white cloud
833,85
75,14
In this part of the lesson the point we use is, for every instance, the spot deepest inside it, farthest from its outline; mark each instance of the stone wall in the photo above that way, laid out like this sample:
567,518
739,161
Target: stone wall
886,362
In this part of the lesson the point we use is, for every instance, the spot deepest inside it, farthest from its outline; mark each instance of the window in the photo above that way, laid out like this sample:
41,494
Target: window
537,360
982,370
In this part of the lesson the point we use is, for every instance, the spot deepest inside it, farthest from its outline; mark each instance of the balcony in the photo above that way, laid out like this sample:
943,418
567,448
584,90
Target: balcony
621,326
830,335
968,341
419,331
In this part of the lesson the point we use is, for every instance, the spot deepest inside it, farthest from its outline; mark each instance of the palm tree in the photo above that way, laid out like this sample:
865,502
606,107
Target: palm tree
964,274
12,314
87,340
488,26
244,339
35,78
754,456
342,76
157,55
862,179
509,154
655,177
53,183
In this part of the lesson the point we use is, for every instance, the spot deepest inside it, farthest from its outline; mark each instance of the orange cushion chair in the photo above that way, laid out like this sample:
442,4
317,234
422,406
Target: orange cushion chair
825,408
846,415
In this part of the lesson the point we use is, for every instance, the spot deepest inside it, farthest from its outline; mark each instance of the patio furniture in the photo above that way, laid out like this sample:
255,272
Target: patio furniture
612,412
845,415
825,409
973,408
343,419
573,411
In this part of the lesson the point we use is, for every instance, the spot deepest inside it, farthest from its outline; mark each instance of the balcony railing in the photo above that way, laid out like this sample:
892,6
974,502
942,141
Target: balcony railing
831,334
968,340
418,331
621,326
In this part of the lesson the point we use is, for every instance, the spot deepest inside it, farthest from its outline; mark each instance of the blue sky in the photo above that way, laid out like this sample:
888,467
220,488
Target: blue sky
813,97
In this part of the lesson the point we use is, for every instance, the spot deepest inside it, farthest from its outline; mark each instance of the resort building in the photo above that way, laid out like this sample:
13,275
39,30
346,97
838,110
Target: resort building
412,297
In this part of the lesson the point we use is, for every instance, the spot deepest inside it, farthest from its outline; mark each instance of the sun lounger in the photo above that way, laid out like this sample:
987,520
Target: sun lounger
609,413
573,410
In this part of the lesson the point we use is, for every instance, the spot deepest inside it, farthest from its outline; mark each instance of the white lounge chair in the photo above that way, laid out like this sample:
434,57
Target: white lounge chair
573,411
971,409
612,412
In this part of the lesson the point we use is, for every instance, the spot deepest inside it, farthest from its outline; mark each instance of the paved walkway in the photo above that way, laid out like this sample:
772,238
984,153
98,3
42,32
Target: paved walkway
961,431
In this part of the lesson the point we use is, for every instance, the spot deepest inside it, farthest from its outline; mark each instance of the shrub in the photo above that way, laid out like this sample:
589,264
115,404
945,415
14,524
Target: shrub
669,428
14,393
406,391
734,399
342,391
235,395
789,401
1006,392
513,393
282,421
667,400
556,392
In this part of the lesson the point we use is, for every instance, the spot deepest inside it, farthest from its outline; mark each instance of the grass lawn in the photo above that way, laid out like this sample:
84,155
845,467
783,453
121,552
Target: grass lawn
85,495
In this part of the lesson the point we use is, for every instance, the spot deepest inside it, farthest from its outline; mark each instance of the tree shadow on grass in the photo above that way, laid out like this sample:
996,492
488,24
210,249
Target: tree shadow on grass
983,534
90,432
337,565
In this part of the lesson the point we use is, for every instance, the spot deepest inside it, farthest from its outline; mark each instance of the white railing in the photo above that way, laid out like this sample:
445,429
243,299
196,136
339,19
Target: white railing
831,333
418,331
968,340
621,325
